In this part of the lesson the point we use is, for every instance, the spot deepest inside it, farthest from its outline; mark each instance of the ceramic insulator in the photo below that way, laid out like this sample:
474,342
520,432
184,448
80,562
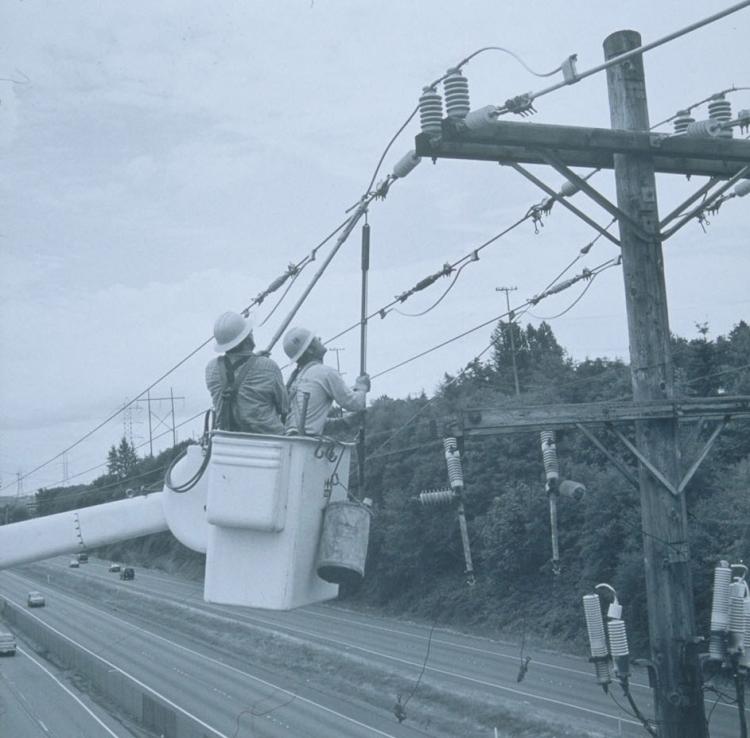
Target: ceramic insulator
437,497
618,638
720,601
745,657
736,617
453,459
549,455
595,625
431,111
682,120
710,128
456,88
720,110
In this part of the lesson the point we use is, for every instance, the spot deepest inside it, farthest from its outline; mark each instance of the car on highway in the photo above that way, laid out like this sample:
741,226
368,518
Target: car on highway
7,642
73,564
83,558
114,567
127,573
35,599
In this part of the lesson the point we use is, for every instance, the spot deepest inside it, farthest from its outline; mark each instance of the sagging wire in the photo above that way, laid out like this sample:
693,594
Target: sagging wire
523,104
589,274
399,709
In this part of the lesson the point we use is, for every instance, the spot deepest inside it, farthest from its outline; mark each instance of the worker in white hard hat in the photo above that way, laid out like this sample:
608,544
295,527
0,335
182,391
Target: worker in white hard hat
247,389
313,387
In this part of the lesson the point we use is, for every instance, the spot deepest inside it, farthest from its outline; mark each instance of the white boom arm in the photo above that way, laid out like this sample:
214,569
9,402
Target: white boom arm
79,530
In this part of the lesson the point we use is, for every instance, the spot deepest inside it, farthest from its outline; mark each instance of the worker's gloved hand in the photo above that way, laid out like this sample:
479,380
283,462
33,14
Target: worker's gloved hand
362,383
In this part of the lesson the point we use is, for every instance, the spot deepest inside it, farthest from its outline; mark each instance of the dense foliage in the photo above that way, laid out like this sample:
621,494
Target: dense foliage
415,562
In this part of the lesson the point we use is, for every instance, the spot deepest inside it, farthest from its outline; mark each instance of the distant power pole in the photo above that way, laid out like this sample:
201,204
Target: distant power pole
511,316
19,483
338,351
66,473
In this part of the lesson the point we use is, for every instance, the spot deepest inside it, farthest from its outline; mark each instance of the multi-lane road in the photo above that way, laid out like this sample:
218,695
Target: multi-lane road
233,698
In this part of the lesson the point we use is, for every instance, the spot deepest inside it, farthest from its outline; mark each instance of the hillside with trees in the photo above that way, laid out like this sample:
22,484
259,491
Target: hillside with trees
415,562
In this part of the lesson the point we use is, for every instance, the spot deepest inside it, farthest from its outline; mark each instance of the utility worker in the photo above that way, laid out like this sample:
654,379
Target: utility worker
313,386
247,389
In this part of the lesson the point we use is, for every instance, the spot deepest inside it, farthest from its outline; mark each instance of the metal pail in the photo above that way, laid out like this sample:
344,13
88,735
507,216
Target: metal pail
343,542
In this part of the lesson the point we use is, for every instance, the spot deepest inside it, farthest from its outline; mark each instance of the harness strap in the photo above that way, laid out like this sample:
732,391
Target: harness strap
232,376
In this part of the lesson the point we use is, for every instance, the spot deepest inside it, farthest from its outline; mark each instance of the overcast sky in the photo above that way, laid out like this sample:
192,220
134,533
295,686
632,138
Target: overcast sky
164,162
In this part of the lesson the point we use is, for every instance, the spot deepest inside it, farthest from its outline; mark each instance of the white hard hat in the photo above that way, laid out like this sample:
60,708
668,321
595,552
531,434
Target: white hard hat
296,342
230,330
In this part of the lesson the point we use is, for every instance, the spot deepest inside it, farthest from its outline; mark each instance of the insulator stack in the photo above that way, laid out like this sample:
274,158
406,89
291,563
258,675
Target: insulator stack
745,657
595,625
453,459
456,88
736,617
597,640
704,128
720,110
549,455
618,642
437,497
720,611
431,111
682,120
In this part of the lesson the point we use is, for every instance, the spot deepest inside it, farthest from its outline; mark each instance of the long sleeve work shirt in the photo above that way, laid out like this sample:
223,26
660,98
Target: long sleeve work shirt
260,400
325,386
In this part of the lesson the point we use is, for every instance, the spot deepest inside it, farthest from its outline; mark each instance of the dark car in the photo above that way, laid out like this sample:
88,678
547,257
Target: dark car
83,558
127,573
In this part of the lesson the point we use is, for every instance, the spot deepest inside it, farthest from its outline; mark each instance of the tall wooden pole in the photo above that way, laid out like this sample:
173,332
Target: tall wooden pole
679,699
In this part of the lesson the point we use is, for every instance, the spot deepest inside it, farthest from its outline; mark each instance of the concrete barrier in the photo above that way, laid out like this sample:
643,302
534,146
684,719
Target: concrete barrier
141,703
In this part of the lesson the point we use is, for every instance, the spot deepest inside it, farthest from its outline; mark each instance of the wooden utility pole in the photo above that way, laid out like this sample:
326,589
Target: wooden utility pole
511,317
678,698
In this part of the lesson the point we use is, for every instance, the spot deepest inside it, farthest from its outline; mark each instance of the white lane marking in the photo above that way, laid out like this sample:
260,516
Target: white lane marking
44,727
129,676
64,688
297,697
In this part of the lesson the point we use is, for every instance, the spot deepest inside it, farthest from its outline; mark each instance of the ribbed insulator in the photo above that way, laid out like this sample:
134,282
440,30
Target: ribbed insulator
549,455
682,120
745,657
736,618
431,111
453,459
437,497
456,88
704,128
595,625
618,638
721,110
737,611
602,671
717,646
720,601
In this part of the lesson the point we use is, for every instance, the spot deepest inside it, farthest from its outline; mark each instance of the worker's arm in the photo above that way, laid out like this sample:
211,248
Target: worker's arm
350,399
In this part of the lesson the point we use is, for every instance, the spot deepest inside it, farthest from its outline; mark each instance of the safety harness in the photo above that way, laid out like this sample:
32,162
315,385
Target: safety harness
232,377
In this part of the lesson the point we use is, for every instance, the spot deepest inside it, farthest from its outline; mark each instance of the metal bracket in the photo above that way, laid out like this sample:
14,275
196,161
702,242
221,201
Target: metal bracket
563,201
654,471
704,205
703,453
618,464
595,195
695,196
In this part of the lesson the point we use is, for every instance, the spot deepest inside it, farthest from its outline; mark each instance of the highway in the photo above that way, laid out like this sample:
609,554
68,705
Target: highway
36,701
556,688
